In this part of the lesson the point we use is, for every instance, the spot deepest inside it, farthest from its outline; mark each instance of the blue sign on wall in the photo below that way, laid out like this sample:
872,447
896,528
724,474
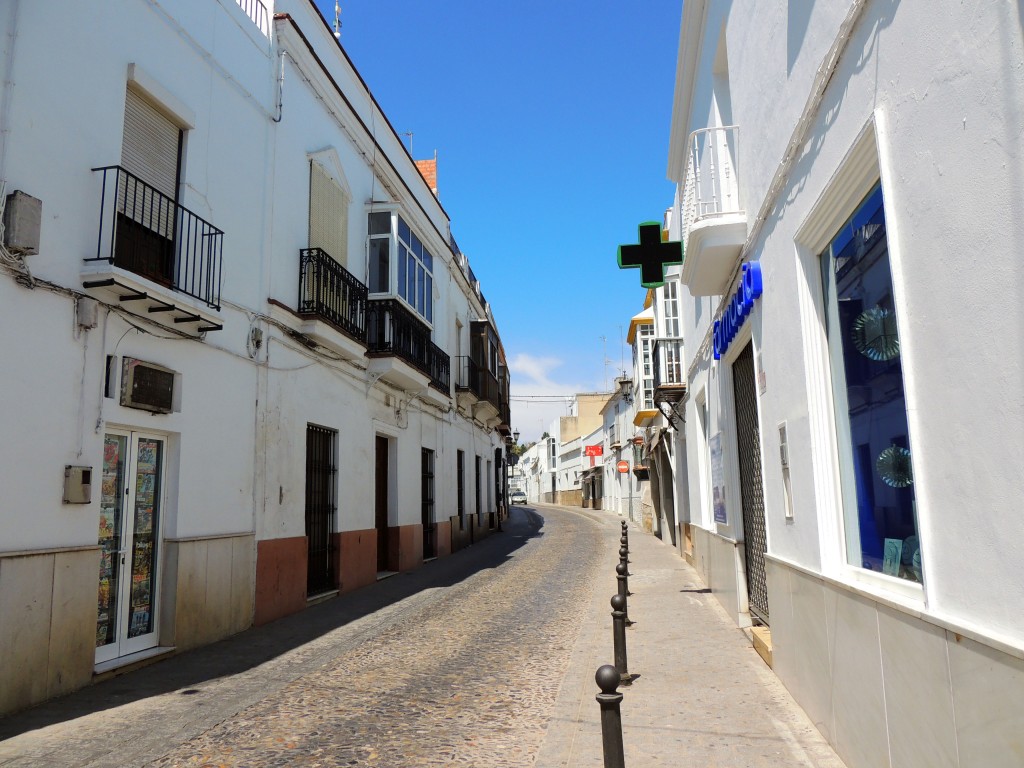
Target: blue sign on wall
739,308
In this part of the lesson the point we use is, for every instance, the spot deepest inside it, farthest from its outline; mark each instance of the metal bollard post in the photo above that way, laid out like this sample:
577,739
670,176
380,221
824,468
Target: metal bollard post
609,698
623,555
623,580
619,638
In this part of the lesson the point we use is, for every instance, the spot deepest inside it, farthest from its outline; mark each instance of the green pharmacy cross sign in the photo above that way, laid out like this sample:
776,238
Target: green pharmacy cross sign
651,255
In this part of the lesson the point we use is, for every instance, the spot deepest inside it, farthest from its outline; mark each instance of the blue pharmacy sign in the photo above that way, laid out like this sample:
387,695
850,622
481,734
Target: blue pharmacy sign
738,308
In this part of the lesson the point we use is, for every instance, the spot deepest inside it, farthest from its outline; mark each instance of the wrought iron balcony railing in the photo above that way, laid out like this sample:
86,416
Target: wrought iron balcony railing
146,232
440,369
391,329
330,291
489,388
467,375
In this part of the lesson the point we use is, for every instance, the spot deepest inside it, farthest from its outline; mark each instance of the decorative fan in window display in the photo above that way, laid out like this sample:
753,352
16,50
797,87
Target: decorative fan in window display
874,334
894,467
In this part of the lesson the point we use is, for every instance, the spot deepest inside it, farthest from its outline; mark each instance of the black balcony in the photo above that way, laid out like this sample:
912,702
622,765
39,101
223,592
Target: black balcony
329,291
440,369
146,232
467,376
392,330
489,388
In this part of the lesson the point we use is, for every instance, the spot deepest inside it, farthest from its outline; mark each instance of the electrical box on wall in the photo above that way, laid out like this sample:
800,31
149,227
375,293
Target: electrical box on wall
23,215
77,485
787,487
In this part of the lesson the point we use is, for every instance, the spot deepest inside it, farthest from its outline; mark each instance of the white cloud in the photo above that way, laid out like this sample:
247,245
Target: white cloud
538,377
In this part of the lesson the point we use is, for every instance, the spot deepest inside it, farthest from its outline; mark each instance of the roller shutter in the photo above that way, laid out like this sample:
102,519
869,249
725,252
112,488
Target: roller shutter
150,151
328,214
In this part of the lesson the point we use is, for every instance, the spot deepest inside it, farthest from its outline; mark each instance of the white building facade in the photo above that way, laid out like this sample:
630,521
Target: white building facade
245,301
851,366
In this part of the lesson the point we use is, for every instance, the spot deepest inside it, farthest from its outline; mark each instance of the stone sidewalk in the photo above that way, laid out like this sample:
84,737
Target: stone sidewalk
703,696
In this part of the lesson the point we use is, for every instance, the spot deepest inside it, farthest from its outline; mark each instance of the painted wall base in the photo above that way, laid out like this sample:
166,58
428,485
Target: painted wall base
280,578
405,547
444,538
356,553
460,532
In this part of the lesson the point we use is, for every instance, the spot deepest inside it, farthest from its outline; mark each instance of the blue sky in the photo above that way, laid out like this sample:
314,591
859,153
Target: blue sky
550,121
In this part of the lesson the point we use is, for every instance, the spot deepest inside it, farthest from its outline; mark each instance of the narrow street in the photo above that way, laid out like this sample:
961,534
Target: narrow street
458,663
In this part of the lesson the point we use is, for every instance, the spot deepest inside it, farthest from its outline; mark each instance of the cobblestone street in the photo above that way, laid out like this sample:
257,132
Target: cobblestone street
464,670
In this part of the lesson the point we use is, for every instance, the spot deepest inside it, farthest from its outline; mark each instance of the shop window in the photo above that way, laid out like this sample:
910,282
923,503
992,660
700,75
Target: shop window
879,508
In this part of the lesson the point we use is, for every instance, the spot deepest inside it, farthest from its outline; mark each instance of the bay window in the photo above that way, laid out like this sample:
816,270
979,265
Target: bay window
392,241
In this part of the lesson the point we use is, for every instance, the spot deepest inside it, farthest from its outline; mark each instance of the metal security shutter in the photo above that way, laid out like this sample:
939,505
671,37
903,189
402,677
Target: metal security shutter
748,441
328,214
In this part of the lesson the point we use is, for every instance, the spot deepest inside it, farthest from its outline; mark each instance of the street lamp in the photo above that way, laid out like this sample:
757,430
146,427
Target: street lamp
515,437
625,389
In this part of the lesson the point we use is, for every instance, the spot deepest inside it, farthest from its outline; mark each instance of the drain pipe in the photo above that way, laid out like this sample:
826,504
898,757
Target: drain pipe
280,86
8,86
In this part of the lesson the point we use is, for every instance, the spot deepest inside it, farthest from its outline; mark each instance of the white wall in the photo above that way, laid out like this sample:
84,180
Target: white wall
944,92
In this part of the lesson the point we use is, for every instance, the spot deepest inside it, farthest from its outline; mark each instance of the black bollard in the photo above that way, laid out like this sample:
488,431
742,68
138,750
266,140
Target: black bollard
623,580
624,555
609,698
619,638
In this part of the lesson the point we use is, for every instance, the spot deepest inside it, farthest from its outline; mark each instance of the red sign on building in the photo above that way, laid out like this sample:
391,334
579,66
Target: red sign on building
593,450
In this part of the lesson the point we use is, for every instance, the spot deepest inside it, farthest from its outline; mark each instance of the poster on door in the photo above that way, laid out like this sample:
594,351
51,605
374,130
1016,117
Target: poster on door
717,479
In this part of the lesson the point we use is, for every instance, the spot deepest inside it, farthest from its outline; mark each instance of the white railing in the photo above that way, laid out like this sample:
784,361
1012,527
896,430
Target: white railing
257,11
668,363
710,187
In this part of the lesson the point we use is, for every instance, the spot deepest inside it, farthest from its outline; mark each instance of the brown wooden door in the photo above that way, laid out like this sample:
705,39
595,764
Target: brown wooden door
381,503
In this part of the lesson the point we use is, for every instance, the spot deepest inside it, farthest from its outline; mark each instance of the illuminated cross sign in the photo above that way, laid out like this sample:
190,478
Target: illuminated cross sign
651,255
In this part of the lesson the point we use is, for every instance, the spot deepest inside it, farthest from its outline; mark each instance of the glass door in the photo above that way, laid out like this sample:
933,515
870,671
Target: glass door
129,528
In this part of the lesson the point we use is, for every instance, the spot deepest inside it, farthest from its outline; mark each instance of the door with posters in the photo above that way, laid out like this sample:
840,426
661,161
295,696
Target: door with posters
129,537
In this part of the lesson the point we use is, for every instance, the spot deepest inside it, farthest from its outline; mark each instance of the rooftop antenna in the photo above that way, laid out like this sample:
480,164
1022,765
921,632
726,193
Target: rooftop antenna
604,355
337,19
409,134
622,358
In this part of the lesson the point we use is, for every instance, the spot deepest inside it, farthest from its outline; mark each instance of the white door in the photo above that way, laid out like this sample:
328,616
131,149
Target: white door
129,537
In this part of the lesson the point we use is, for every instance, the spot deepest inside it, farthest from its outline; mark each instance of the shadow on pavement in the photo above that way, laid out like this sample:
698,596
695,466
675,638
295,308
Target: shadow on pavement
259,645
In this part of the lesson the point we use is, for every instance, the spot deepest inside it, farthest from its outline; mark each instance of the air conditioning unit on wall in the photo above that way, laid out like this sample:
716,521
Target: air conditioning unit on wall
147,386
